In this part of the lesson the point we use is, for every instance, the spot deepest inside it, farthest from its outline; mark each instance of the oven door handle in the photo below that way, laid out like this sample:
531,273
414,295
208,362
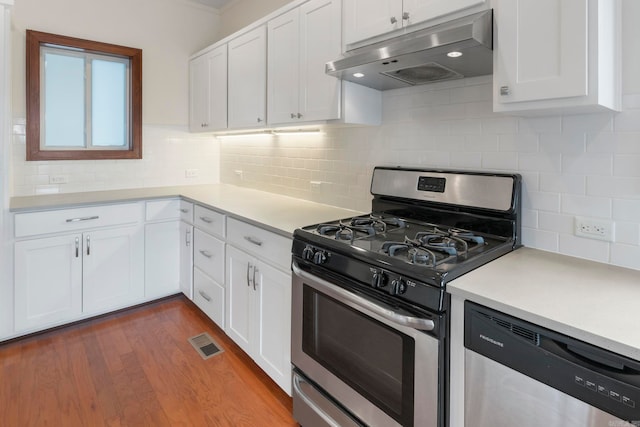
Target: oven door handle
346,296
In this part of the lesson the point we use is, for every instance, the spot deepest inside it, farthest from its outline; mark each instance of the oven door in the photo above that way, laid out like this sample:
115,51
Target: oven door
382,366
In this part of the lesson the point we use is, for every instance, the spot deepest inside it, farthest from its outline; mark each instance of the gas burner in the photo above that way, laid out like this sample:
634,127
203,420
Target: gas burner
418,252
348,232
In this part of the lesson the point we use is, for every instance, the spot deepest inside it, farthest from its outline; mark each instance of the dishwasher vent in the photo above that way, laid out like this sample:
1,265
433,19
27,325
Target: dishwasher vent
520,331
205,345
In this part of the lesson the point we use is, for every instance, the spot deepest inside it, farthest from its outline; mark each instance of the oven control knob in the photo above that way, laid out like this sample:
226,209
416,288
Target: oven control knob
398,287
379,279
307,253
320,257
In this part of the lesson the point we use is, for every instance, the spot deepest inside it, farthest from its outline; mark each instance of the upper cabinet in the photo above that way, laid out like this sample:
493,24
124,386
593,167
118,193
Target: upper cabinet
299,91
556,55
300,43
208,91
247,79
365,19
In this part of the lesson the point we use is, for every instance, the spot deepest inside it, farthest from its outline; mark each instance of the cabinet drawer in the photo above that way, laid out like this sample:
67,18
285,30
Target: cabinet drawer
265,244
209,220
162,209
208,255
209,297
186,211
67,220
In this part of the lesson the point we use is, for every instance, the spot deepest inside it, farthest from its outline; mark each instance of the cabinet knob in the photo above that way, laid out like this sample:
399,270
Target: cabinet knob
393,20
293,115
505,90
405,16
259,119
299,115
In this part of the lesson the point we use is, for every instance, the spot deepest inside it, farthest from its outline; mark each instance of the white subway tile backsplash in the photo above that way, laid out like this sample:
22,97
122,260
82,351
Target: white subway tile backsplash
595,250
627,233
588,123
625,255
586,206
563,183
626,165
567,162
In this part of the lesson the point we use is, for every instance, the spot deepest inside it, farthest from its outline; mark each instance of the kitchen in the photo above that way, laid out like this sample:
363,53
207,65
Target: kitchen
572,165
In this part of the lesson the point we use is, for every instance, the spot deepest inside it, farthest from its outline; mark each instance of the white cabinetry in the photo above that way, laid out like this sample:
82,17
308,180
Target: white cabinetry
91,261
247,79
365,19
48,277
209,263
258,297
556,55
208,91
167,240
300,43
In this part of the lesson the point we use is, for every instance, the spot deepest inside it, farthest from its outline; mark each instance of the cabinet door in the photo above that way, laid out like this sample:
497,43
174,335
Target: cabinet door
48,281
199,87
248,79
113,268
369,18
162,259
541,50
283,69
218,88
415,11
239,298
320,42
186,259
273,346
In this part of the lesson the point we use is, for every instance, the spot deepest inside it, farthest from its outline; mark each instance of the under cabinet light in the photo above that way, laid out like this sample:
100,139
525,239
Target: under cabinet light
260,133
284,132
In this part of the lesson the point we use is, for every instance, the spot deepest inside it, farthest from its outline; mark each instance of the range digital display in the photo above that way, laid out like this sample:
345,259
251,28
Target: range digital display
431,184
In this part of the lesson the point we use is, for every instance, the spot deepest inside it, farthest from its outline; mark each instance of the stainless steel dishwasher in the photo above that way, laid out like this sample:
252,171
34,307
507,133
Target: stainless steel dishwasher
520,374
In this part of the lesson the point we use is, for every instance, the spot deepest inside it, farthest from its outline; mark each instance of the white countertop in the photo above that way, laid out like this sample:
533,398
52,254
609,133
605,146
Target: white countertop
280,214
594,302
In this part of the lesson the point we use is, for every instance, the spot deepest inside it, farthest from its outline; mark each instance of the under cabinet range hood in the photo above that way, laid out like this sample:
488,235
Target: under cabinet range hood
452,50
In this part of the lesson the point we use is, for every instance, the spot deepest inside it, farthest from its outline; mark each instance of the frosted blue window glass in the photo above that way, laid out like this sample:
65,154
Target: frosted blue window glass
109,103
64,99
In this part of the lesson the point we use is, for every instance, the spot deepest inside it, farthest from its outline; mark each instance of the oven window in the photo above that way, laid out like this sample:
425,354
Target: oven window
374,359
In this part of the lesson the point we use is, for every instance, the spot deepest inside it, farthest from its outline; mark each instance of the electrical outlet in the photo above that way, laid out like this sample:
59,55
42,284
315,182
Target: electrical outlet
600,229
239,174
191,173
315,185
58,179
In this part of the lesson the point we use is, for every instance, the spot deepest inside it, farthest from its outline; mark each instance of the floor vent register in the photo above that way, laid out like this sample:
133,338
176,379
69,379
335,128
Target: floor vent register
205,345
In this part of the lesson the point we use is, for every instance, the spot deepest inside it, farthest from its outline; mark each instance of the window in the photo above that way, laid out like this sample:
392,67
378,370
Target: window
84,99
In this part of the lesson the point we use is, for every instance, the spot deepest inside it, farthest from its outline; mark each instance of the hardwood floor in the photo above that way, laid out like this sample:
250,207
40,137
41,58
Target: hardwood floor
136,368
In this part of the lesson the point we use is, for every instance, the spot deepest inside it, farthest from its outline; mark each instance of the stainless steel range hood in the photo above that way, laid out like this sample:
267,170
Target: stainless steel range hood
421,57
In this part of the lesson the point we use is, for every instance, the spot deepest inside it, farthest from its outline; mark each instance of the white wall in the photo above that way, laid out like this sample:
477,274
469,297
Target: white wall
586,165
240,13
168,32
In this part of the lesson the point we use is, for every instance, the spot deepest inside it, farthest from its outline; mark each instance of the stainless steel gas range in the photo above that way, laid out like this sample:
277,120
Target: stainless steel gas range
369,304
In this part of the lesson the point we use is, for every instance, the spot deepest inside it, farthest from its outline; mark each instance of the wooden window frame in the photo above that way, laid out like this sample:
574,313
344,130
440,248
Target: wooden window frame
35,40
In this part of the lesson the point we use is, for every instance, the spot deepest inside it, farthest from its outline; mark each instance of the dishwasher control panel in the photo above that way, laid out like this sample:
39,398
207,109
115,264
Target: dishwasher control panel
608,381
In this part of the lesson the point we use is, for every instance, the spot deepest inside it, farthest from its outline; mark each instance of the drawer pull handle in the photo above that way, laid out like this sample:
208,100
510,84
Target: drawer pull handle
205,296
253,240
183,210
206,219
77,246
206,253
84,218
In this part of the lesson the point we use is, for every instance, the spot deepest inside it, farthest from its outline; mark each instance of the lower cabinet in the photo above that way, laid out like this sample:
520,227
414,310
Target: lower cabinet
258,313
162,254
48,275
61,278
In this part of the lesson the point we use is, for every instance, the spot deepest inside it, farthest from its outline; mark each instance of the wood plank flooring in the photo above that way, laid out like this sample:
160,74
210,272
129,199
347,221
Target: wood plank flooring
136,368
